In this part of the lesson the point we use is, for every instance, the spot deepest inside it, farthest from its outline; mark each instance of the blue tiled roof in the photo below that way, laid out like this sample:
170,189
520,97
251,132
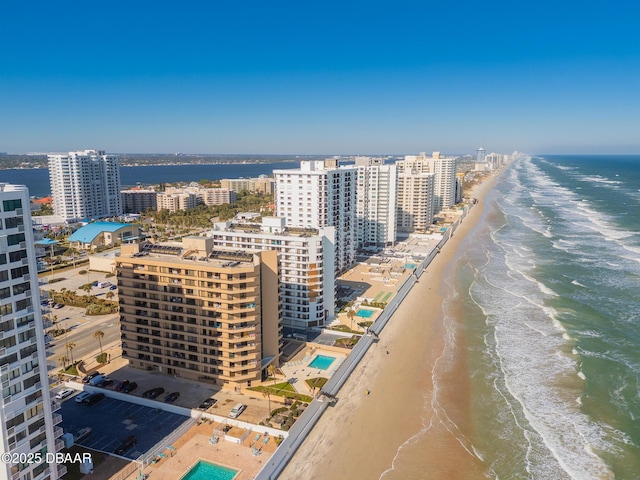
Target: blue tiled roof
46,241
87,233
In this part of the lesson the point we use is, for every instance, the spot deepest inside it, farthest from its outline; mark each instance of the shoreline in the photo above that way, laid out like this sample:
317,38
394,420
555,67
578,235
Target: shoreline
362,435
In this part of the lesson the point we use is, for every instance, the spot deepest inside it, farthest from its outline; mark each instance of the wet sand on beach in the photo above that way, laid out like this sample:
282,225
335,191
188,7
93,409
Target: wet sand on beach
361,435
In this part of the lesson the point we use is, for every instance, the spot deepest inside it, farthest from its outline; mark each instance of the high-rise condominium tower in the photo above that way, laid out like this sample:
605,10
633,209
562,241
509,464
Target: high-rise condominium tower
317,195
376,202
85,184
28,423
199,313
444,170
307,266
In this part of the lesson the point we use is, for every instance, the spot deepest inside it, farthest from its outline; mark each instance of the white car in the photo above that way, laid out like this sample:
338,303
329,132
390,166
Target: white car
82,396
237,410
64,393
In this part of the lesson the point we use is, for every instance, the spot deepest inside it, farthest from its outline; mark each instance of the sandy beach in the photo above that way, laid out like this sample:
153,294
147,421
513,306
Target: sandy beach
359,438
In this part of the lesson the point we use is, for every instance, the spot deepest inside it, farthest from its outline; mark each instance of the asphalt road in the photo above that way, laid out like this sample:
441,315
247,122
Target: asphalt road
81,333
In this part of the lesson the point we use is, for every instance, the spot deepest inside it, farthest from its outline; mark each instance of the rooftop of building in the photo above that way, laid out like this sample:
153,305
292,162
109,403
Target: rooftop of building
89,232
178,253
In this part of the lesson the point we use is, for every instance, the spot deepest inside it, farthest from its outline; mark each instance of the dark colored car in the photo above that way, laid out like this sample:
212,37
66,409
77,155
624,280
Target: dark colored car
88,378
107,382
153,393
126,444
209,402
172,397
113,287
130,387
93,398
121,385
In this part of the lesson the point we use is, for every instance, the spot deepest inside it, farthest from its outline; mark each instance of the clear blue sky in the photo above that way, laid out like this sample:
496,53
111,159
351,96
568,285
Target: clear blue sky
320,77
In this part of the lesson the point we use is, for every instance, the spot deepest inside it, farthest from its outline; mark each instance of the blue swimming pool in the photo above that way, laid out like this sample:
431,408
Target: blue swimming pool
209,471
364,313
322,362
409,266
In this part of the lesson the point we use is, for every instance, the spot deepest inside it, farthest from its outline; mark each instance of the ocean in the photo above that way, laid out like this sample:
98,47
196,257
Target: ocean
37,179
548,284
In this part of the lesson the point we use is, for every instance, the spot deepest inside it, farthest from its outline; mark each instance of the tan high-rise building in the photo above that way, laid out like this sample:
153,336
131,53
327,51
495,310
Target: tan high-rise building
202,314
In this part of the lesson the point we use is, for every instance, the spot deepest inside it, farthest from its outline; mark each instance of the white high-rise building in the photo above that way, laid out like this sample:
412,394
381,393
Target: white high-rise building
28,425
85,184
306,265
444,170
320,194
376,199
415,197
480,154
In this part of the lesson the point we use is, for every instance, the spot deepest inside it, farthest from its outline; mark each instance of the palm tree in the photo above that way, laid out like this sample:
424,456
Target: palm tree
350,314
63,361
267,393
99,334
110,295
70,346
86,287
271,370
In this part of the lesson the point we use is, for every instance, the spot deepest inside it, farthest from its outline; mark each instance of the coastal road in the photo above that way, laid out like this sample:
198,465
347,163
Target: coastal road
86,346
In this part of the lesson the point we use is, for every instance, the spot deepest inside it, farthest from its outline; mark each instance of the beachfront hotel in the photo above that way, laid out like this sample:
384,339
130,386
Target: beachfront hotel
376,200
415,198
306,264
320,194
85,185
29,424
200,313
444,180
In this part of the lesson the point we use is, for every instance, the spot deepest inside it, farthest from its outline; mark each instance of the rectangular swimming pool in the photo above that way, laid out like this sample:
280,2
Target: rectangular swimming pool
364,313
322,362
209,471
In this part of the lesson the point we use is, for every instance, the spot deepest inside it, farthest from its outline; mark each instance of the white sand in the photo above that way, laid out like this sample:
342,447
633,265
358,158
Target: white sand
359,437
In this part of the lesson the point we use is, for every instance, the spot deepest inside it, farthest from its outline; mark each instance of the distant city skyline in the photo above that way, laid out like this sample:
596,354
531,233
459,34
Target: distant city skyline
257,78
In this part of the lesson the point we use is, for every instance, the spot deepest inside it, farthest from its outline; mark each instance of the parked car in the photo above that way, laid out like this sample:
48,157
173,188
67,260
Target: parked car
88,378
153,393
82,396
98,379
209,402
93,398
62,394
104,383
237,410
113,287
130,387
126,444
82,434
58,305
120,386
172,397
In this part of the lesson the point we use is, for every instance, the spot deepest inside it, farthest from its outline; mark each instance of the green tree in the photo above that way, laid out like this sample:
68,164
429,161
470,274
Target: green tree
99,334
63,361
350,314
70,346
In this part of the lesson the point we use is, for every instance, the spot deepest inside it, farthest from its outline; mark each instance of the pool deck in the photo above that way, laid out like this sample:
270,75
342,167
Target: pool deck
297,371
194,445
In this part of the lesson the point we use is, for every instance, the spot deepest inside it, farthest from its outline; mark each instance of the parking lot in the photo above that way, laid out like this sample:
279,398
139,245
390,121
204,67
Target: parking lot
111,421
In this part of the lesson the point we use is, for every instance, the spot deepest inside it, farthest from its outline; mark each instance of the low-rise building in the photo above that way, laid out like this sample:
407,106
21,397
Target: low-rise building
103,234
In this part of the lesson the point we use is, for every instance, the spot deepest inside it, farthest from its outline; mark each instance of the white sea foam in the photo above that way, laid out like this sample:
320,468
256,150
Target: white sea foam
575,282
